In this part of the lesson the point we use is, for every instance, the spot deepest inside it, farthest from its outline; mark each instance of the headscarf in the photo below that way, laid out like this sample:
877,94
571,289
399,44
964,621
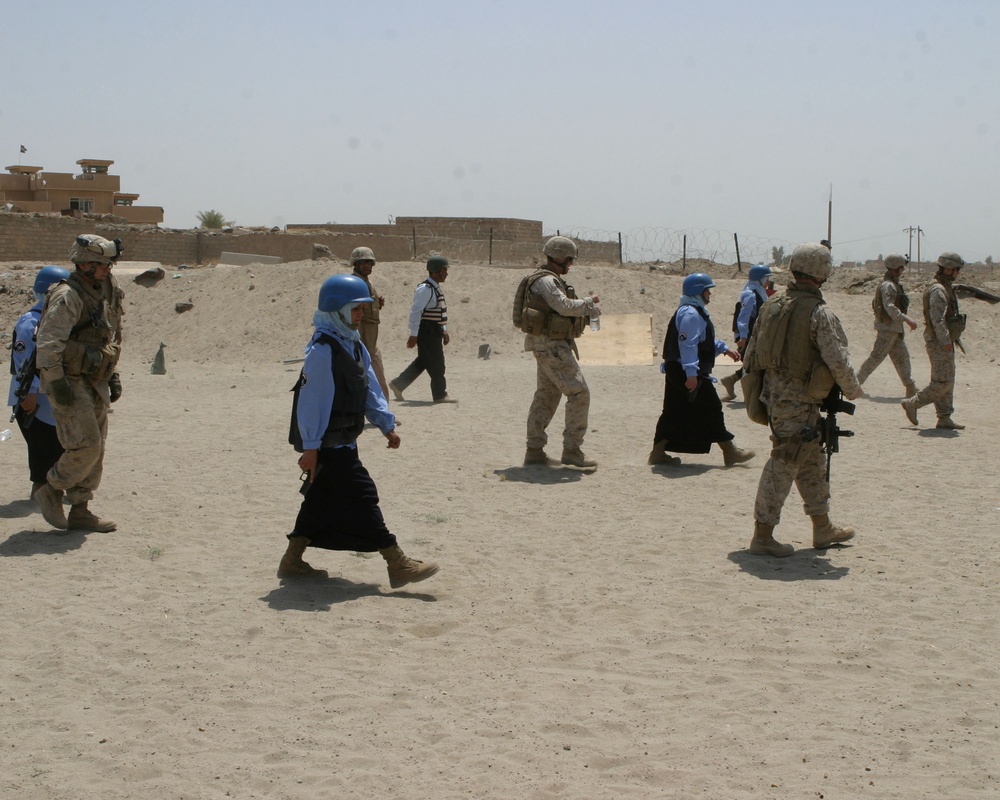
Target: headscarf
339,321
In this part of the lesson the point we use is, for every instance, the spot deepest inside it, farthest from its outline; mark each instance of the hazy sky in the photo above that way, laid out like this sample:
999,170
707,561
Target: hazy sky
611,116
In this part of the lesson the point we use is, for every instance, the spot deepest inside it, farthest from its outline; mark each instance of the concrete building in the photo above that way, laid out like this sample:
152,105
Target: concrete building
93,191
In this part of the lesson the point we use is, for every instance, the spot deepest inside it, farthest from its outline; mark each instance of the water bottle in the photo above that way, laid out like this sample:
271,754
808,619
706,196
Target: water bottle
595,321
4,435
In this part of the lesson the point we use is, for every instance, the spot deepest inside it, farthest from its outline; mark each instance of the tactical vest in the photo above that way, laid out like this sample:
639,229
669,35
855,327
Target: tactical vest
92,348
706,347
347,415
539,318
783,341
439,311
953,320
369,311
753,315
902,301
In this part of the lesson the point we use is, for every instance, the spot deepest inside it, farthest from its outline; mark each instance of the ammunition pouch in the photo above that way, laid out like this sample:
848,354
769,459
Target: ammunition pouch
533,321
820,382
956,326
94,361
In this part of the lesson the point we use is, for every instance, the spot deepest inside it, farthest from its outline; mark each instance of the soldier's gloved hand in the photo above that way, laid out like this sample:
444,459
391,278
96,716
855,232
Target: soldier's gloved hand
115,386
62,392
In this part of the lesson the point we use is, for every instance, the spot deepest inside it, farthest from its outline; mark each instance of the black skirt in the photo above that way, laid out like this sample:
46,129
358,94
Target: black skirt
340,511
690,423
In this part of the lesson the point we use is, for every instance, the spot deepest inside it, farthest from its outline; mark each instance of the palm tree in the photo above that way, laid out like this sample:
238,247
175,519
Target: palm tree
213,219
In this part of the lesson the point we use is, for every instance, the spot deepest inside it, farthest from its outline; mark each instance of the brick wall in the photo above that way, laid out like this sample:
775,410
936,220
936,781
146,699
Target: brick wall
47,237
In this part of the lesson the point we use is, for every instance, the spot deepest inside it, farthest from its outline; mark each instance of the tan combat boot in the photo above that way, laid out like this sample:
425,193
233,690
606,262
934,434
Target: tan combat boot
403,569
292,564
535,456
658,455
731,454
49,500
910,408
81,519
35,486
911,389
729,384
825,533
948,424
763,543
574,457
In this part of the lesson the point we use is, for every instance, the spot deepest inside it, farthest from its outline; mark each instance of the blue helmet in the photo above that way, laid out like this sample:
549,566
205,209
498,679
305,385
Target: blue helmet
47,276
339,290
696,284
759,272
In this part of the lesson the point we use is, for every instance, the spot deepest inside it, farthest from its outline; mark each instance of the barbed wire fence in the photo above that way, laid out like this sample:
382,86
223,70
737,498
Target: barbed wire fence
653,244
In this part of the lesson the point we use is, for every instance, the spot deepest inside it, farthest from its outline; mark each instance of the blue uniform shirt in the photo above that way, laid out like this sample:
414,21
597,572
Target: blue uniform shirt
317,392
21,349
691,329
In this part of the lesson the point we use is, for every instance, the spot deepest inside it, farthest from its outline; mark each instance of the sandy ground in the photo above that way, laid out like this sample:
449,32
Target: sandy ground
589,636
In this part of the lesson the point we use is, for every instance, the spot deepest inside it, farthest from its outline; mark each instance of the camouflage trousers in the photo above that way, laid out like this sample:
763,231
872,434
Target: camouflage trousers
558,374
83,430
941,390
795,461
892,344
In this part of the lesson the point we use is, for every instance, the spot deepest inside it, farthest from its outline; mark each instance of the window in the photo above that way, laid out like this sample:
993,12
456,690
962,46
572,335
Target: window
85,204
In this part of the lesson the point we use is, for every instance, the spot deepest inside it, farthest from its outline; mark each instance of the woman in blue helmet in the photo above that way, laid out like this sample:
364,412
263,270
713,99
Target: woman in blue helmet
337,390
754,295
33,411
692,418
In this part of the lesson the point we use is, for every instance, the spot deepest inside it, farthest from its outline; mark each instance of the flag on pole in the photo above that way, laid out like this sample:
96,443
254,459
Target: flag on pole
24,149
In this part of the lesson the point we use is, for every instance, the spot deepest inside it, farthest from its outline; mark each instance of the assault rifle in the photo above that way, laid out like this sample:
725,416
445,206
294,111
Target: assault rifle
829,431
25,377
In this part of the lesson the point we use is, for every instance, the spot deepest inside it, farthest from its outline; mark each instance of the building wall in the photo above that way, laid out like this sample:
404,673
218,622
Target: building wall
47,237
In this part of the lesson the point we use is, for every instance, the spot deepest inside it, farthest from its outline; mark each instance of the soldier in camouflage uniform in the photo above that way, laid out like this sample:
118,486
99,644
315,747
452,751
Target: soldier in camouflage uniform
78,343
363,262
801,367
943,327
558,316
890,305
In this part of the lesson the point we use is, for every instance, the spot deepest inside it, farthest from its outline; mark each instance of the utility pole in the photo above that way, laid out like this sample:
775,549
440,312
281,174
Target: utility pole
920,232
909,246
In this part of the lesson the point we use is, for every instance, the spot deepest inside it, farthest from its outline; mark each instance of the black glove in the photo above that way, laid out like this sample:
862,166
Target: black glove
62,392
115,386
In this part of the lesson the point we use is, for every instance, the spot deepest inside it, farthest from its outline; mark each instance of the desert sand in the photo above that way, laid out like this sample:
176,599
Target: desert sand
598,635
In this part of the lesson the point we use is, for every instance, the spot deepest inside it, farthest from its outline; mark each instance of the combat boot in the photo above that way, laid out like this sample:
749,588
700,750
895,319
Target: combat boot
911,410
292,564
911,390
764,544
658,455
729,384
731,454
948,424
825,533
35,486
403,569
574,457
535,456
81,519
49,500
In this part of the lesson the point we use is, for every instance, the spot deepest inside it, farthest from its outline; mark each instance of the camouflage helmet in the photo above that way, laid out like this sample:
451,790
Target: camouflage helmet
812,259
560,247
436,264
894,261
950,261
361,254
90,247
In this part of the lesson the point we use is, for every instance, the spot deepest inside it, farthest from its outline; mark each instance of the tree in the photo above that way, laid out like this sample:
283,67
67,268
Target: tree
778,255
989,260
213,219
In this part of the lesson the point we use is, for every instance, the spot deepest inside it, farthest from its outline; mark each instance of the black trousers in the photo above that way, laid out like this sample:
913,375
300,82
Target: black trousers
690,423
43,445
430,357
340,511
